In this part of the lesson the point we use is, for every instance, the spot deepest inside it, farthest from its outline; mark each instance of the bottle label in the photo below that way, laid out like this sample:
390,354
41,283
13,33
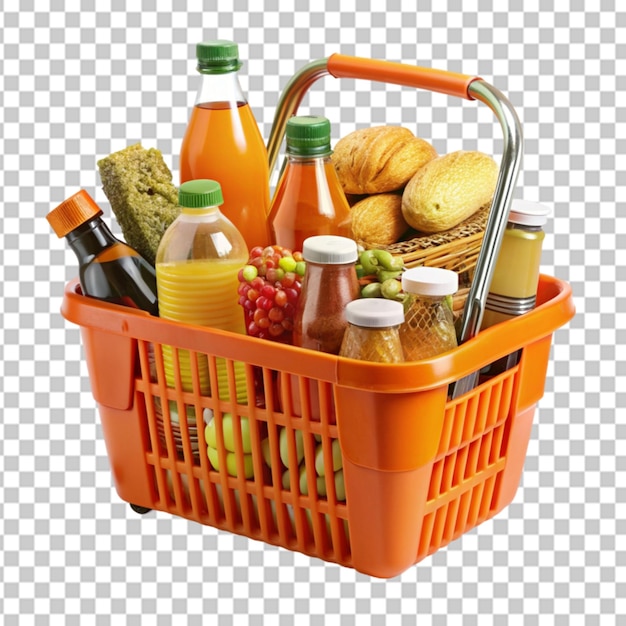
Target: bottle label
115,252
509,305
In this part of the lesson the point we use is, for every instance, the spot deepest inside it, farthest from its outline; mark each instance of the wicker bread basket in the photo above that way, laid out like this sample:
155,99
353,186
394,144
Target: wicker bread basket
456,249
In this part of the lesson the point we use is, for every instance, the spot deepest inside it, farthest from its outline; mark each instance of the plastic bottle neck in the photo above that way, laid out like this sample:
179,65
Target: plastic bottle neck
220,89
90,238
303,159
199,213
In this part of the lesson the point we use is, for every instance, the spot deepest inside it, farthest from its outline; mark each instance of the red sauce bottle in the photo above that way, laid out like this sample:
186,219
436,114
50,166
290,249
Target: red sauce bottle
329,283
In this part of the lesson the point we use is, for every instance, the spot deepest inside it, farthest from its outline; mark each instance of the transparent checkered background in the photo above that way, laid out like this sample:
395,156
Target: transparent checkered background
79,80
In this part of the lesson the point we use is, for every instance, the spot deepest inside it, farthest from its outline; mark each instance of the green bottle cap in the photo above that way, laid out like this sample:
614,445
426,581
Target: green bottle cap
217,57
308,135
199,194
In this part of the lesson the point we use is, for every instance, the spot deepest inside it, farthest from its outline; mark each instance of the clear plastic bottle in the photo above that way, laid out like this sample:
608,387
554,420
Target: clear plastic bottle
428,329
196,268
223,142
372,333
329,283
109,269
309,199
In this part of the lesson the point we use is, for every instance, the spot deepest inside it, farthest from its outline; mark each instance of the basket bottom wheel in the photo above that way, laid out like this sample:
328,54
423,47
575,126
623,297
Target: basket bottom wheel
142,510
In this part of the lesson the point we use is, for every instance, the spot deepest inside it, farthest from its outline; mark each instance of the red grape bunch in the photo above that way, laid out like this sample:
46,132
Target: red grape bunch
269,288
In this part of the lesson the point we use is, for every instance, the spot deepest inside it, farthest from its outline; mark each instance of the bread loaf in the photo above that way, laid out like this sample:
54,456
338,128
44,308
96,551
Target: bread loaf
139,187
377,220
448,190
379,159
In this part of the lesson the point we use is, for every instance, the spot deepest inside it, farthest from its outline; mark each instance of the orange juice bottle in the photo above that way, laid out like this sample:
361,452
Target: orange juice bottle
223,142
309,199
196,272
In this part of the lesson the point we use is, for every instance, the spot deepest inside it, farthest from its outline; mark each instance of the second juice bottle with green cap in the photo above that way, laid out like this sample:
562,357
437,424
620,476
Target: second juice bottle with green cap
309,199
223,142
196,273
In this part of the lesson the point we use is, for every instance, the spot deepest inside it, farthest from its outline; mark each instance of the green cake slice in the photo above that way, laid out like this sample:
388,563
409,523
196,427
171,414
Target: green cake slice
143,199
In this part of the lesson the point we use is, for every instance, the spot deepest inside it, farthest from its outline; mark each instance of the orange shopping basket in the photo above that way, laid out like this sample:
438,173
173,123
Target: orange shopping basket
418,467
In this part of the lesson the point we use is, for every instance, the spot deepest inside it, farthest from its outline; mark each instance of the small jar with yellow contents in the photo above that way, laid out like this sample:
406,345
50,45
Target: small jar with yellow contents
513,289
372,333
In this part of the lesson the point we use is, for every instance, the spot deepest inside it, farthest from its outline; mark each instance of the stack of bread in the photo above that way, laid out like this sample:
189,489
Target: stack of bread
399,187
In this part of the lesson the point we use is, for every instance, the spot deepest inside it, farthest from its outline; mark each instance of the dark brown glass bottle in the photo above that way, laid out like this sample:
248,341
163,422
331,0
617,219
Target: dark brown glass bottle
109,269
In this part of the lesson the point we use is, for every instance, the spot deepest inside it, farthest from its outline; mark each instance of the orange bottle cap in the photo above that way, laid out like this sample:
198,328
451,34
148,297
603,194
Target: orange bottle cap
73,212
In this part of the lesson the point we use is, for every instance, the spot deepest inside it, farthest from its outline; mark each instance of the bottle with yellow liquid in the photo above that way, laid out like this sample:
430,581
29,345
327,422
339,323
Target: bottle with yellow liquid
196,272
513,288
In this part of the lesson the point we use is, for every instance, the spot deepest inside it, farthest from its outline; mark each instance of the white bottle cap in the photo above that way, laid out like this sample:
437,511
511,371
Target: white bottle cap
430,281
527,213
330,249
375,312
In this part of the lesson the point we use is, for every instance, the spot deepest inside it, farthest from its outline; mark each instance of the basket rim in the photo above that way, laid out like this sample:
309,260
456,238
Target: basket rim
555,309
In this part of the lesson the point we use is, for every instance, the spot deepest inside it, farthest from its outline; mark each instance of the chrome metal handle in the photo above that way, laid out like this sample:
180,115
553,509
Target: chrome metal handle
478,89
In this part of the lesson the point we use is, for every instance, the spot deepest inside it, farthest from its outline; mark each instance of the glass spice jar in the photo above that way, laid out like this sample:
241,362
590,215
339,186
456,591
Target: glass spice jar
513,288
329,283
428,329
372,333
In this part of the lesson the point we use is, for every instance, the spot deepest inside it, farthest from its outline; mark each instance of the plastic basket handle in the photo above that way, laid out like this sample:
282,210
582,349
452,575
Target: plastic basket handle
460,85
343,66
442,81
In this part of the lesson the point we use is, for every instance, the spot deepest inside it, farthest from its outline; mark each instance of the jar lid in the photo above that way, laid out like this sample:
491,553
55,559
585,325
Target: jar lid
527,213
430,281
308,135
72,213
217,57
329,249
375,312
200,194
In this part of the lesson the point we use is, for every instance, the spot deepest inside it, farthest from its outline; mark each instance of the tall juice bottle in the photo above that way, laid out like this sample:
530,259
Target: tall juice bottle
223,142
309,199
196,270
